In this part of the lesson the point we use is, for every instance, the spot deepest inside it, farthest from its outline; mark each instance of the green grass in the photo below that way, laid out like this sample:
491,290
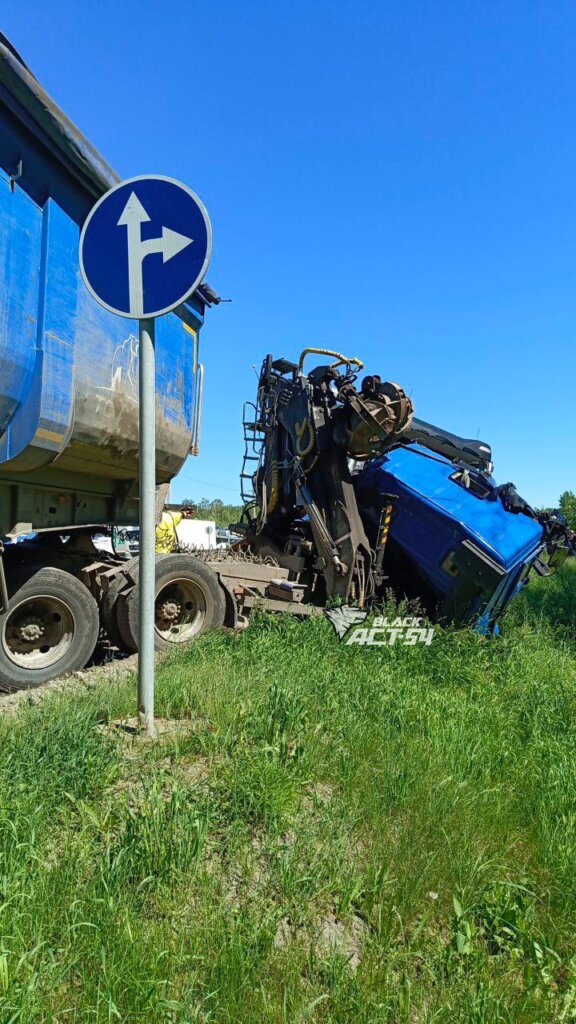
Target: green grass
342,834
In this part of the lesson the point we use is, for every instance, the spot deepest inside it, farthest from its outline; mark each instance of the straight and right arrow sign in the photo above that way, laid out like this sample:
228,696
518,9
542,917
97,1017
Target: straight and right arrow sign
145,246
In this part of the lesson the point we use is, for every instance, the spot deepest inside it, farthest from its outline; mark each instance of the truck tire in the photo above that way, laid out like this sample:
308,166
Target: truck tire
50,628
189,600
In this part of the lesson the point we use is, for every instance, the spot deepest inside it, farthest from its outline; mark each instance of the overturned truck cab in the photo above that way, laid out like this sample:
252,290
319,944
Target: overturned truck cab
452,543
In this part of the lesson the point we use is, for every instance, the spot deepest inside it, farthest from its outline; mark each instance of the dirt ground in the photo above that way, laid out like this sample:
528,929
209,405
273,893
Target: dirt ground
114,669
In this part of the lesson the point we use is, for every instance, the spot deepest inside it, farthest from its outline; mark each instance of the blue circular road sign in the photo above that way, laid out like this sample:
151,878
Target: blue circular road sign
145,246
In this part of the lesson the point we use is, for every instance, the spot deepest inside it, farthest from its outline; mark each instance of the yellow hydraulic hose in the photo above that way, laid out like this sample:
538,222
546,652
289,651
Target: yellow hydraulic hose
340,359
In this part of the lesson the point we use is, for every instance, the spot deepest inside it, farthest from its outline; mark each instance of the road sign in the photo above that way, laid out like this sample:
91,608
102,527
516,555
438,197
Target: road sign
145,246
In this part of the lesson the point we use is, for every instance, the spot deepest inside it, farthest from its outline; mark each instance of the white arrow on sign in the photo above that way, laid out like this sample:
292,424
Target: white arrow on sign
169,244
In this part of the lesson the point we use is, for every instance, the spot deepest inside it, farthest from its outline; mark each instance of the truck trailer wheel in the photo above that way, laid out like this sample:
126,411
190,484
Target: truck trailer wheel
50,628
189,600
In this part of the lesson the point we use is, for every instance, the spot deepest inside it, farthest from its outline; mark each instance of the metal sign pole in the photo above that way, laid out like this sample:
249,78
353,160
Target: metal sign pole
112,255
147,556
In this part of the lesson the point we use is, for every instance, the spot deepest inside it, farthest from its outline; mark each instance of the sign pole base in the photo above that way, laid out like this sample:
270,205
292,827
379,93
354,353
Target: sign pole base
147,551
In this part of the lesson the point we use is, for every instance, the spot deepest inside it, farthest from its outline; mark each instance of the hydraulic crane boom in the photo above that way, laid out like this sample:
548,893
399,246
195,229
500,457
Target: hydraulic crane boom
312,425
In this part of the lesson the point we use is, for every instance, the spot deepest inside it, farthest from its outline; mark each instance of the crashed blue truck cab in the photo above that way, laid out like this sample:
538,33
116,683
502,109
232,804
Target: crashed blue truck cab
452,544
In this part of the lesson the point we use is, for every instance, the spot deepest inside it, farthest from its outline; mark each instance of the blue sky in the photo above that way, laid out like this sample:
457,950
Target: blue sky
396,180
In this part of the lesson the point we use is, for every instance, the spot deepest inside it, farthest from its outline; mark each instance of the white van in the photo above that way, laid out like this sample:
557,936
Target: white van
197,533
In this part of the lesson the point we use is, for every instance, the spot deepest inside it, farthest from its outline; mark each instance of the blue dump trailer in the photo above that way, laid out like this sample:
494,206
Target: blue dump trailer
68,388
69,368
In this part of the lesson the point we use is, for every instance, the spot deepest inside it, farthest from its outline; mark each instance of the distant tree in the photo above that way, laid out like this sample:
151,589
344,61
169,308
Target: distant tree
568,508
214,508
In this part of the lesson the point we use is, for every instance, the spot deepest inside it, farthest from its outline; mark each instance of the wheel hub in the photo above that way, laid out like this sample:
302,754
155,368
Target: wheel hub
30,630
180,610
170,611
38,632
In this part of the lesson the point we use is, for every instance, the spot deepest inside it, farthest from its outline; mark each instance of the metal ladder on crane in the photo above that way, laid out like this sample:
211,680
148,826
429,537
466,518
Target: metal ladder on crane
253,445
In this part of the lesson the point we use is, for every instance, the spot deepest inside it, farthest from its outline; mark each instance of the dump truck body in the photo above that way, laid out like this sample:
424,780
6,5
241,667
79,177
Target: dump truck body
69,368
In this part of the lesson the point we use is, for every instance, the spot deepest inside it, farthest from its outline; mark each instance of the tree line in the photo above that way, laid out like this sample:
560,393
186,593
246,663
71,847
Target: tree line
213,508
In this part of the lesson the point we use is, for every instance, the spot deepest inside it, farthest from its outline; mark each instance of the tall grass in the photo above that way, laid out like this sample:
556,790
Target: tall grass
549,603
340,834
